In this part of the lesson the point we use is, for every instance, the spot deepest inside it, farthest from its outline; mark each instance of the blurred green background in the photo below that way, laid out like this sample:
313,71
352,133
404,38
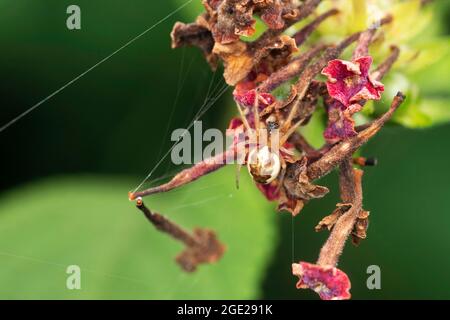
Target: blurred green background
67,168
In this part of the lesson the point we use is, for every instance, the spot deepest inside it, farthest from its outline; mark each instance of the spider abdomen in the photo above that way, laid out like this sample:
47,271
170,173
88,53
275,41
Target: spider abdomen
263,165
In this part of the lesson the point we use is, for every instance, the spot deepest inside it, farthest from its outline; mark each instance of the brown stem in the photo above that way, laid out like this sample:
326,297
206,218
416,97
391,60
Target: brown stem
301,36
384,67
166,226
346,148
312,71
367,37
332,250
302,145
347,181
293,69
189,175
202,246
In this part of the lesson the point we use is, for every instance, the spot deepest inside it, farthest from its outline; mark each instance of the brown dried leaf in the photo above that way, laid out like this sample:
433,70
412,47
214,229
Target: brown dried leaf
193,34
237,62
289,204
329,221
298,185
241,58
360,230
208,249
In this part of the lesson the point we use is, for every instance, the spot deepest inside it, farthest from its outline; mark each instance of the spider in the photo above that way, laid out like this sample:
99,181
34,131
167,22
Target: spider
260,143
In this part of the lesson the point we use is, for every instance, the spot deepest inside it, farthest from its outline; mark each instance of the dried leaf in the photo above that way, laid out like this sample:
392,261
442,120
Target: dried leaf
329,221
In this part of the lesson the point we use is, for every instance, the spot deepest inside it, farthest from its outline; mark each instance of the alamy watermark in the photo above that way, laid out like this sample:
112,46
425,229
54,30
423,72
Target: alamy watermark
199,146
73,21
374,280
73,281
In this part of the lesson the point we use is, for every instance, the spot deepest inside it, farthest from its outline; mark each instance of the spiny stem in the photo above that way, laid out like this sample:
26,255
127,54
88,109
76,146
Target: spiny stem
302,145
201,246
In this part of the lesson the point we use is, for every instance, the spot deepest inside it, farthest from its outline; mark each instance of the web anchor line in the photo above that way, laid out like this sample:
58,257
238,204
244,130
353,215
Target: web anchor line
68,84
199,114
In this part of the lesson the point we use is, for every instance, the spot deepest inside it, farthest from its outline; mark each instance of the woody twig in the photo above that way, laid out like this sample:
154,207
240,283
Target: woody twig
201,246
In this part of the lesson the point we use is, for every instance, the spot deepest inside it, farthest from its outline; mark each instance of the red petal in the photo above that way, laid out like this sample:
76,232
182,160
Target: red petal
340,123
371,91
329,282
248,99
270,191
349,82
235,123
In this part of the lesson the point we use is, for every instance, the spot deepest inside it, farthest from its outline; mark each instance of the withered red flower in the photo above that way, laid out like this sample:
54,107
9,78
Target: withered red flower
248,99
327,281
245,92
235,123
340,122
349,84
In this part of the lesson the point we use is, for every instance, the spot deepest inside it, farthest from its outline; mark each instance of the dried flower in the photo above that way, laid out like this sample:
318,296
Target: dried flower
328,282
349,83
287,175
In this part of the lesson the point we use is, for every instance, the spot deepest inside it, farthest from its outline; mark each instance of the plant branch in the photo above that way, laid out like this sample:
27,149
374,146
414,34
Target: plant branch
332,250
202,246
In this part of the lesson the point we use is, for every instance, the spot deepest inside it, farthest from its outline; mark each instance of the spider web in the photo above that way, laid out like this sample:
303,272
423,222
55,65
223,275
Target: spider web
216,88
102,61
214,93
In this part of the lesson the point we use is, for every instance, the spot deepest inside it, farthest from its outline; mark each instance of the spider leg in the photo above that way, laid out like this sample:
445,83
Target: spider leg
256,111
238,174
243,118
291,130
282,173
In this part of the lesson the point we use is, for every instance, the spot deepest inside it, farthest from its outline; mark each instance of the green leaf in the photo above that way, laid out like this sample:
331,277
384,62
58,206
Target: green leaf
409,20
359,15
411,116
435,79
88,221
426,54
437,110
